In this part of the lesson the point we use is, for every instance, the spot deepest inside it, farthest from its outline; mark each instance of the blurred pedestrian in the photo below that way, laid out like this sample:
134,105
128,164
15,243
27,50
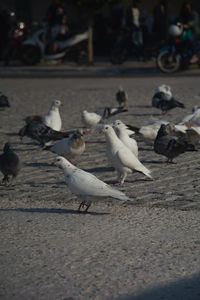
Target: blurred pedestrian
4,30
137,30
160,21
190,20
55,12
55,19
59,34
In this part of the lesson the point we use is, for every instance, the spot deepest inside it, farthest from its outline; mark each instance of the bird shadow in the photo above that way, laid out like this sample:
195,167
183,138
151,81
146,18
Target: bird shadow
12,134
41,164
53,211
100,169
95,142
152,161
143,106
145,149
139,180
115,182
25,149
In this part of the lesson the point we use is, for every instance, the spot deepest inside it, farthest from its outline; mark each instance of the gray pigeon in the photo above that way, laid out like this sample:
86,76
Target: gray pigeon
164,100
169,145
121,97
112,111
190,135
4,100
9,163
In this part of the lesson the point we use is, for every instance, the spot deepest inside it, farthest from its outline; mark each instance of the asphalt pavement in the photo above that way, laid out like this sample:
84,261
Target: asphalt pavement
147,248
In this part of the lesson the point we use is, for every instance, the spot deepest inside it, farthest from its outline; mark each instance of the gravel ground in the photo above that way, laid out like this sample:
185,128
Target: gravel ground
146,248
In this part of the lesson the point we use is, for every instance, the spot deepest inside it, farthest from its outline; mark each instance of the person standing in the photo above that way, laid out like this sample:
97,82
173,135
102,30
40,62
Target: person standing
190,20
160,21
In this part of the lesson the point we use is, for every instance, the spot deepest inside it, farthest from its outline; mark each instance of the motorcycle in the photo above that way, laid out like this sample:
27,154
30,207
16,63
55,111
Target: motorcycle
35,48
178,53
127,46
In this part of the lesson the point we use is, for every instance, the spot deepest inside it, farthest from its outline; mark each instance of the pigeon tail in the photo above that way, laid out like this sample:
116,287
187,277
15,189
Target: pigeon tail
178,104
190,147
146,172
133,128
118,195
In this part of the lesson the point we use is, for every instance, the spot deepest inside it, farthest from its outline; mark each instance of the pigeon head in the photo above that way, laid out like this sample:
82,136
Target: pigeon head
61,162
119,124
56,103
170,127
78,134
162,131
107,129
84,112
7,147
166,89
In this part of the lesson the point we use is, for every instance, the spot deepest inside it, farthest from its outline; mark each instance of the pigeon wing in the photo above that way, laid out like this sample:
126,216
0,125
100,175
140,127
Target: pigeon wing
85,184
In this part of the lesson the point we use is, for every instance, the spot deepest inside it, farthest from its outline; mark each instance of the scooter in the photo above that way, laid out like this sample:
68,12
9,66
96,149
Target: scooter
178,53
34,49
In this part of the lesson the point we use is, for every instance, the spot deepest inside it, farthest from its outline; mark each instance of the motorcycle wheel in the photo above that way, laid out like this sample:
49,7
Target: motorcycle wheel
168,62
118,56
30,55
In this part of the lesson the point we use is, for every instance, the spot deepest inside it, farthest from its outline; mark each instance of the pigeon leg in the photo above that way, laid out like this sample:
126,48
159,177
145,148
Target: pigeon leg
164,112
81,205
87,206
5,180
123,178
170,161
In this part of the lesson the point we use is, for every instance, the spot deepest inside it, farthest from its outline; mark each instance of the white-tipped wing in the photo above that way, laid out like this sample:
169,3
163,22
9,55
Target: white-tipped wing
83,184
61,147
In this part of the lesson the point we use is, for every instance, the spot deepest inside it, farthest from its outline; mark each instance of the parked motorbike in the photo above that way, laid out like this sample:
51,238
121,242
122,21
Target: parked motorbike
127,46
35,48
178,53
15,40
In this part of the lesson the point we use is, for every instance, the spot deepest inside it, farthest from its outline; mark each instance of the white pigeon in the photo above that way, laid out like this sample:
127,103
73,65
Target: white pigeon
52,119
194,117
121,157
149,132
90,119
86,186
121,131
70,147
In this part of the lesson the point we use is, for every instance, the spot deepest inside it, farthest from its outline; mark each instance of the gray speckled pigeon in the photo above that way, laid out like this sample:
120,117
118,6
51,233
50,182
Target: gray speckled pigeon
38,131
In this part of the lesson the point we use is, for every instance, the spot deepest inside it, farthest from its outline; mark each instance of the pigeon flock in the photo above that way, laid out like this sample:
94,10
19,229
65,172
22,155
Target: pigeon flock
121,148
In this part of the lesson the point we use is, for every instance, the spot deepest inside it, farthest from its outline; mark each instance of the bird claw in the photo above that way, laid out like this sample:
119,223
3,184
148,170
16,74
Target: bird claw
5,182
83,203
118,183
